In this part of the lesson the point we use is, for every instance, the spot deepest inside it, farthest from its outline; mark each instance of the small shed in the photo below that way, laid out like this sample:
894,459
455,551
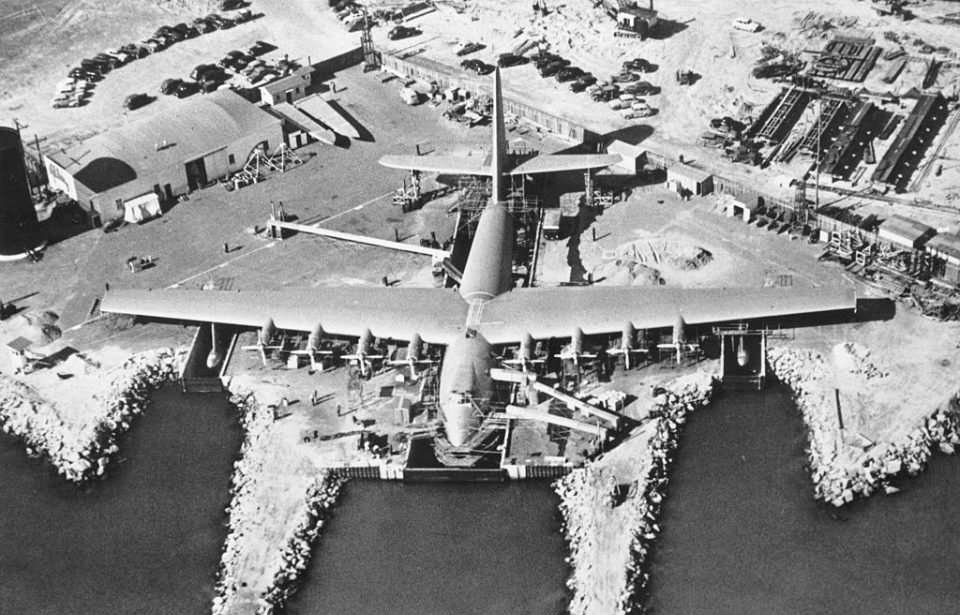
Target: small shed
631,157
744,207
18,353
945,250
287,89
906,233
690,179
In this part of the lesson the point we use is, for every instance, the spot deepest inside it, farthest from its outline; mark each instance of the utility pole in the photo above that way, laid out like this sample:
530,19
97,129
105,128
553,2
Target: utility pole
816,206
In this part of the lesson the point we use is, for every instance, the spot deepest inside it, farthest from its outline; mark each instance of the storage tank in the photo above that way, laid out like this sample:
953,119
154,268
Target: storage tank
19,227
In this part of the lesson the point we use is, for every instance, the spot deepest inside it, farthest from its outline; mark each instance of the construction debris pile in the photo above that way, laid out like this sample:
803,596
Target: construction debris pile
82,452
610,506
639,262
845,465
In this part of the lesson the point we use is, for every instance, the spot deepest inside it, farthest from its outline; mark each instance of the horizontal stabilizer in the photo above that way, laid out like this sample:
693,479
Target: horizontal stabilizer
454,165
565,162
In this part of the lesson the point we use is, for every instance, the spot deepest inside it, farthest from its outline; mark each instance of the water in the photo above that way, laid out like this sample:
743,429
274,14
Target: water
147,540
439,548
742,535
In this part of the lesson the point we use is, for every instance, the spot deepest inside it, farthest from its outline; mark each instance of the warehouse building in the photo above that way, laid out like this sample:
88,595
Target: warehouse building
945,250
906,234
129,171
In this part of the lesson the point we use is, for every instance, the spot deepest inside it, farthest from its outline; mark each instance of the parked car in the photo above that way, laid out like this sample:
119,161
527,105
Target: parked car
203,25
624,77
135,101
637,65
108,60
243,16
545,58
583,82
568,74
200,70
259,48
477,66
400,32
186,88
154,44
169,86
234,59
643,88
746,24
553,68
510,59
468,48
230,5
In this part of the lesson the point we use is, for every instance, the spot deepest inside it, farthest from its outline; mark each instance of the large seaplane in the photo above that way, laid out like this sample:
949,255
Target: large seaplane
485,312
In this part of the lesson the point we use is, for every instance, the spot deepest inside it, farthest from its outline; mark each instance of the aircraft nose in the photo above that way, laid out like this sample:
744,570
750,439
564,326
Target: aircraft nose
458,423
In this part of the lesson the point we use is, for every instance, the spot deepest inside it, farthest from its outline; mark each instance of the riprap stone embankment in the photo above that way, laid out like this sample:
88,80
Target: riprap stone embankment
610,506
843,461
76,433
279,503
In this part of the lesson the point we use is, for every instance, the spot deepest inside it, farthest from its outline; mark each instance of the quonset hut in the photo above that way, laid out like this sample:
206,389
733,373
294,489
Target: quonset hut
163,156
19,228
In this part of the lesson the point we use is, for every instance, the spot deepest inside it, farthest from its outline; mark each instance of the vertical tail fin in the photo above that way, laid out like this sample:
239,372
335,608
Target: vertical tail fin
499,159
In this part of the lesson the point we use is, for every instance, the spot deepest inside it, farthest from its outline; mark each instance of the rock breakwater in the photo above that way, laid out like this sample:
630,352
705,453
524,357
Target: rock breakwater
845,465
611,505
279,504
79,436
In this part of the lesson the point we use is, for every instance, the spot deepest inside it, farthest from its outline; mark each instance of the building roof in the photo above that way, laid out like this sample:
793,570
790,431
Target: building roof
897,226
292,80
626,150
947,245
20,344
190,130
685,170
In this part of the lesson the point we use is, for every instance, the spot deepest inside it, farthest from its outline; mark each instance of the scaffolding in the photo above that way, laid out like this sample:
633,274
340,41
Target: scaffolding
370,61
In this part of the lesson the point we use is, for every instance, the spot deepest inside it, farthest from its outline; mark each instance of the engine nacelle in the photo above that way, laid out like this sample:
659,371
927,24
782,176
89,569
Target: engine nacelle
628,338
576,342
679,330
315,338
365,343
267,331
527,346
415,348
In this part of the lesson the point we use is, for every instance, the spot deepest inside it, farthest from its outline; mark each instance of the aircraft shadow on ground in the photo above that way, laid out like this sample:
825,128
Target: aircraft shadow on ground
364,134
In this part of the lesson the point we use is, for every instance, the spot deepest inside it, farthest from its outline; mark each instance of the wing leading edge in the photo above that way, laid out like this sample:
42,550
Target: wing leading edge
556,163
437,315
454,165
557,312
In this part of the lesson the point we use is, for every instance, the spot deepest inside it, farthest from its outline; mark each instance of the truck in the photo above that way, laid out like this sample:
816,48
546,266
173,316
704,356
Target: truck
410,96
551,223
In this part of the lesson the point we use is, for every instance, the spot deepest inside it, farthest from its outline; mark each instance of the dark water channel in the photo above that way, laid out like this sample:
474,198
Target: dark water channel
742,535
147,540
439,548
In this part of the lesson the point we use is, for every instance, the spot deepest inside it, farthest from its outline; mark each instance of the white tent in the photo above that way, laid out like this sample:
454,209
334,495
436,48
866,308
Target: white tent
142,208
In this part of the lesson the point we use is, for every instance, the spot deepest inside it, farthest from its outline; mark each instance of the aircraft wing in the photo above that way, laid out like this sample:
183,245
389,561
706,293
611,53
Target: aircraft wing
454,165
436,314
557,312
564,162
